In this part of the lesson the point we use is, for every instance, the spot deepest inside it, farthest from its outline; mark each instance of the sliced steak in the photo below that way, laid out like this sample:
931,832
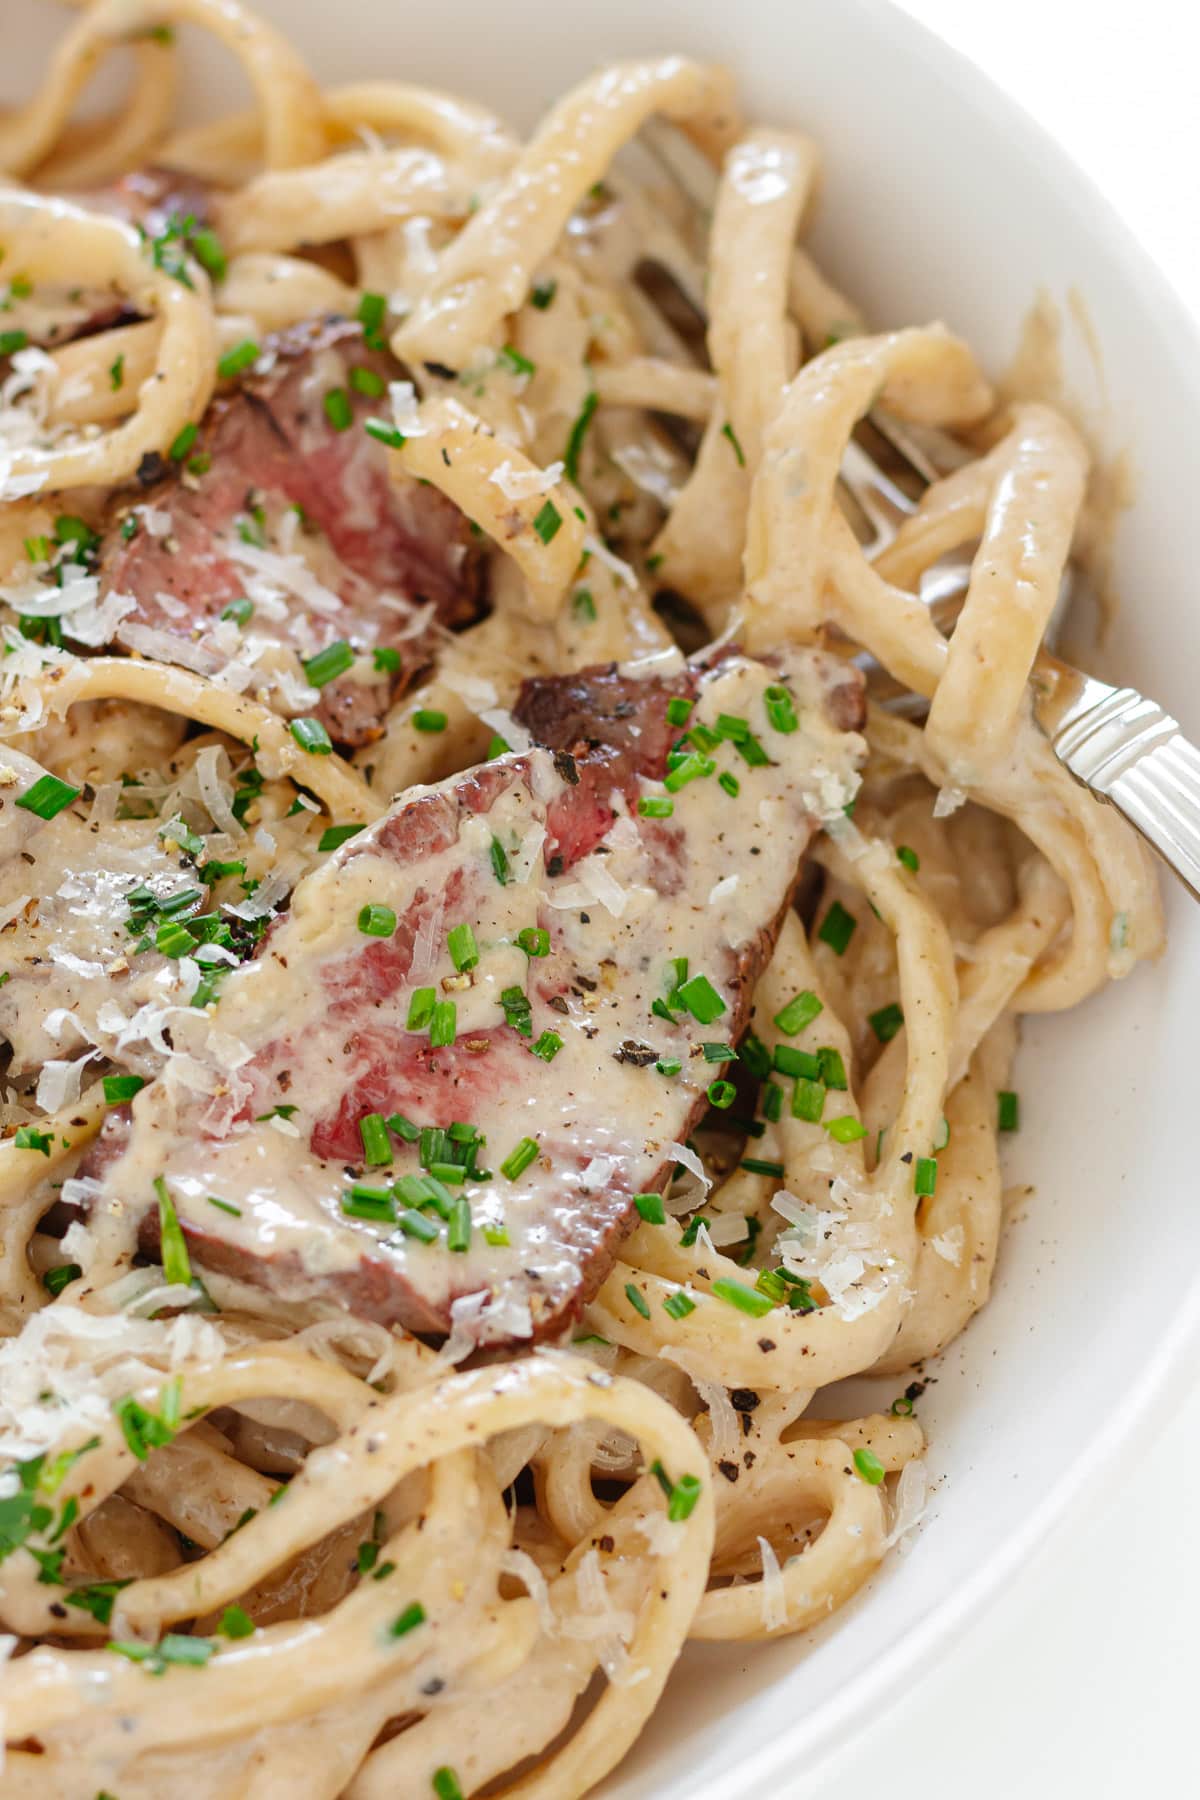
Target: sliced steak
283,510
350,1077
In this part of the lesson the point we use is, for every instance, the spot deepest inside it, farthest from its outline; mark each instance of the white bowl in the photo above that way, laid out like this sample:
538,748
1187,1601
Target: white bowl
942,199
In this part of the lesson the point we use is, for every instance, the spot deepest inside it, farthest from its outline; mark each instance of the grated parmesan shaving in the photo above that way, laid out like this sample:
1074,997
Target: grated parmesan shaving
689,1159
520,484
723,1420
774,1594
59,1082
521,1566
613,564
727,1228
908,1503
601,1622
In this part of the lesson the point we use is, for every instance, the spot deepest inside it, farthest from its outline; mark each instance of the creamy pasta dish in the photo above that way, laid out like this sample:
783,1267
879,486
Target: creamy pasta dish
513,924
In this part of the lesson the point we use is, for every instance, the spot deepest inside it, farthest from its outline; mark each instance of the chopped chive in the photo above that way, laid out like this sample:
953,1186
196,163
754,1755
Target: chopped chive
941,1136
497,746
412,1616
458,1230
335,835
780,710
48,796
800,1011
655,806
235,1623
650,1207
464,952
787,1060
691,1231
385,659
678,1305
548,1046
583,605
338,409
721,1094
173,1253
384,433
727,431
443,1025
377,921
414,1224
736,1293
808,1101
496,1234
1008,1110
237,359
701,999
517,1010
403,1128
182,443
684,1496
577,434
837,928
448,1173
499,862
377,1148
426,718
119,1088
886,1022
717,1053
446,1784
206,248
12,341
679,710
312,736
689,768
772,1102
637,1299
833,1069
361,1203
846,1129
172,939
224,1206
869,1467
240,610
925,1176
514,362
328,664
668,1065
55,1280
372,310
730,783
547,522
519,1159
542,293
366,381
758,1165
908,857
534,940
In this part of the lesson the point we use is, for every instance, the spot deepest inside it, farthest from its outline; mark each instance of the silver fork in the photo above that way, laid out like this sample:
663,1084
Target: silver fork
1118,744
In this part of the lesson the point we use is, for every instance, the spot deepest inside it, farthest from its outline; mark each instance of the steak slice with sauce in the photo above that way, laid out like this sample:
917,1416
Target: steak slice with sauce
280,532
544,1091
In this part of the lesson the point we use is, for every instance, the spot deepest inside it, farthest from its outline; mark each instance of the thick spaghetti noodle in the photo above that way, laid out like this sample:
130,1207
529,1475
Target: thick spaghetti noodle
266,1525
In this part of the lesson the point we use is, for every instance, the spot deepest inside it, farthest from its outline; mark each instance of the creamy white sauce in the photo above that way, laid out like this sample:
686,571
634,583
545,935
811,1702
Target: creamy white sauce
604,1124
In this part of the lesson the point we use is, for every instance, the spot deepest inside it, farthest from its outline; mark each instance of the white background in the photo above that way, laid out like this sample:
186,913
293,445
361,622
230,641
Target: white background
1081,1681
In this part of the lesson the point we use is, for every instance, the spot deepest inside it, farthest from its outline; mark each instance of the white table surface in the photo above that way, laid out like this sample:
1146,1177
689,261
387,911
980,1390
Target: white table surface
1080,1682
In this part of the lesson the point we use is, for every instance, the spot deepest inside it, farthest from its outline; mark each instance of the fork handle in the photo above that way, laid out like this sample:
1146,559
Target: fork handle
1132,753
